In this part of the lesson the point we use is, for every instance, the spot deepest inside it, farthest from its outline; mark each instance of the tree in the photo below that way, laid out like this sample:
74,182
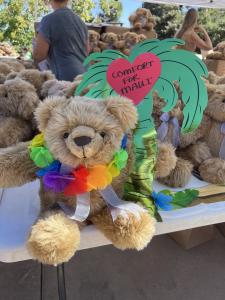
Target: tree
110,10
84,9
168,18
214,22
98,11
16,21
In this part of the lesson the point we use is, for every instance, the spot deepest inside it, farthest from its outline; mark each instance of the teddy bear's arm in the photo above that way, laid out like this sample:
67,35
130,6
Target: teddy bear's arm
16,166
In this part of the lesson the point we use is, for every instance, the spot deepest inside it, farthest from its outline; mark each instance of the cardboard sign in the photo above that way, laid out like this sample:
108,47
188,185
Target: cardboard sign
134,81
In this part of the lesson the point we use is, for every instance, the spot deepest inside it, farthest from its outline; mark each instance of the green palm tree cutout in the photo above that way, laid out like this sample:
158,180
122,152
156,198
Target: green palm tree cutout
177,65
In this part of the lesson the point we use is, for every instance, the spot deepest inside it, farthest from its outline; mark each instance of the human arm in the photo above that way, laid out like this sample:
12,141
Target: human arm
204,44
41,49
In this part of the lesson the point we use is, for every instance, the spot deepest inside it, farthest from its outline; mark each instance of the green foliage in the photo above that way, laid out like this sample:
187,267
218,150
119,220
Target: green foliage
110,10
214,22
168,18
98,10
16,21
84,9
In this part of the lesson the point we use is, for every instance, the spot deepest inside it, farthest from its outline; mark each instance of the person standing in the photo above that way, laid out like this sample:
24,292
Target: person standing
189,32
63,40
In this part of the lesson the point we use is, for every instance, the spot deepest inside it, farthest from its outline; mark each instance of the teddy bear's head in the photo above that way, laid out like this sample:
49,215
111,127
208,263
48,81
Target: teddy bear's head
18,98
83,131
4,71
94,36
142,37
14,65
221,48
109,38
35,77
131,38
216,103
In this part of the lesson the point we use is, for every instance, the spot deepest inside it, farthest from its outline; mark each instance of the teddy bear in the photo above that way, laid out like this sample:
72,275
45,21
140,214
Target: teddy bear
84,150
218,52
142,19
35,77
109,41
94,41
168,126
142,37
130,39
18,101
14,64
213,78
204,147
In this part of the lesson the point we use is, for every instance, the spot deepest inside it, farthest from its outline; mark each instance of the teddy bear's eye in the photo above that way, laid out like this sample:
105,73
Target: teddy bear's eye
65,135
223,100
102,134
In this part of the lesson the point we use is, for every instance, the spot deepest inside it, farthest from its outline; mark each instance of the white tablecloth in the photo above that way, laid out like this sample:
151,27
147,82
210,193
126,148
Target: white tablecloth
19,208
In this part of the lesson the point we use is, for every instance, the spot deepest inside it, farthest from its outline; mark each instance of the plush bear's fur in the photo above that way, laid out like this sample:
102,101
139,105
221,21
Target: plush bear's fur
142,19
218,52
54,238
35,77
109,41
18,100
130,39
94,41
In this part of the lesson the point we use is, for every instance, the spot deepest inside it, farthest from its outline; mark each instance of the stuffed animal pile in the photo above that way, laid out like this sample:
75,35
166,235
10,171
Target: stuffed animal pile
143,22
218,52
7,50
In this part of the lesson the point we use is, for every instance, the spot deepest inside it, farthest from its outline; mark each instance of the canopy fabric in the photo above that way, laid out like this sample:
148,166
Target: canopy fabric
198,3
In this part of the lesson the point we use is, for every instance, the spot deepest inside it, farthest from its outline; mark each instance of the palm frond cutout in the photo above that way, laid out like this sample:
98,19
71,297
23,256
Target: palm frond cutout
177,65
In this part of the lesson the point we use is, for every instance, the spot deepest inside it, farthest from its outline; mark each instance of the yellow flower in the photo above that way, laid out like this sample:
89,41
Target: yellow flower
37,141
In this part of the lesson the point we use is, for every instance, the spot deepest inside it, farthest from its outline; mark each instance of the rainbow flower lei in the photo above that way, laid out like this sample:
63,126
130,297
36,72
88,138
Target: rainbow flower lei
60,178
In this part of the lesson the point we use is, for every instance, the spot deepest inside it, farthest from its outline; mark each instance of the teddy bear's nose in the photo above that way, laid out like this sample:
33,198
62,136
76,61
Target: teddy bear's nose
82,140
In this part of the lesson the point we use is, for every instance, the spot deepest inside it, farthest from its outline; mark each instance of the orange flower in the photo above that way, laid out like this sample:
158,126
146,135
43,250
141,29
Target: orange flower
99,177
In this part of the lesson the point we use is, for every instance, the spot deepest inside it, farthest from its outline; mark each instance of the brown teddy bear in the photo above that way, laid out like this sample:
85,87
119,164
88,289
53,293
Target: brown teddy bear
7,66
218,52
168,131
35,77
14,64
18,101
109,41
84,137
130,39
56,87
94,41
142,19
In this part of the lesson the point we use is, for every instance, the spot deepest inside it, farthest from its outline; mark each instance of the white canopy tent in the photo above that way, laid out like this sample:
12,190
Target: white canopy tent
198,3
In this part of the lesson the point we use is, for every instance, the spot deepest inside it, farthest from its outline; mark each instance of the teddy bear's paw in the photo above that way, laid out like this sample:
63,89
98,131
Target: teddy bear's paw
127,231
213,170
166,160
132,232
54,239
180,175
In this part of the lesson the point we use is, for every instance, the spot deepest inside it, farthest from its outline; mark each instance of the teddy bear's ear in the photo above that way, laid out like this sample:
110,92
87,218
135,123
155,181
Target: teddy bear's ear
124,110
45,109
47,75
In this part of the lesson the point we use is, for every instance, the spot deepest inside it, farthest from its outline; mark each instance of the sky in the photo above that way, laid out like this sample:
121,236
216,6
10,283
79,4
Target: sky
129,6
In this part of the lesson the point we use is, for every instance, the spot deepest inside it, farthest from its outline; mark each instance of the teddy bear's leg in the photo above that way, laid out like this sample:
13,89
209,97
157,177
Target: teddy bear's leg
213,170
54,238
196,153
180,175
166,160
126,232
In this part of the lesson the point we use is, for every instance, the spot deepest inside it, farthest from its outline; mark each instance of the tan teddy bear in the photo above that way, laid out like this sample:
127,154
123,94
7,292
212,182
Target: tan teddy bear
218,52
130,39
8,66
142,19
85,136
109,41
18,100
35,77
168,127
94,41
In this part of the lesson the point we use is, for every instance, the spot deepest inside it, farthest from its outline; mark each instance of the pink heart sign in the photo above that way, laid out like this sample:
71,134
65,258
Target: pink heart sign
134,80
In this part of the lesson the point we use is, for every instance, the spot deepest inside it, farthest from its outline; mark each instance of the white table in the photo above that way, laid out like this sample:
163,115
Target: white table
19,207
